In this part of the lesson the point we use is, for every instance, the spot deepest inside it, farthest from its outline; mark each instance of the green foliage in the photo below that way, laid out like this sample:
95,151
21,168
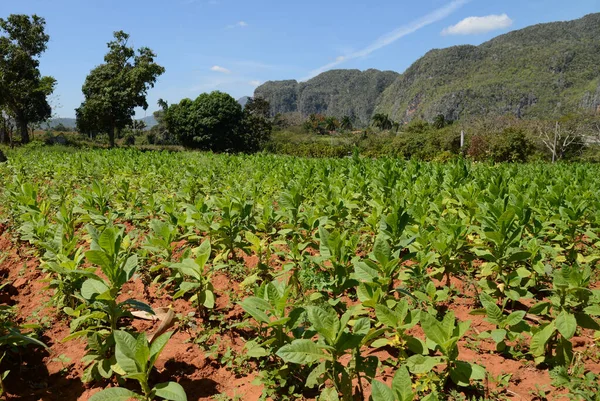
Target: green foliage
23,90
215,121
135,358
114,89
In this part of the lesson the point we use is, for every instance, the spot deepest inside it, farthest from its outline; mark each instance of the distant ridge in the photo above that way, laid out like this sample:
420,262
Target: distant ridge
543,71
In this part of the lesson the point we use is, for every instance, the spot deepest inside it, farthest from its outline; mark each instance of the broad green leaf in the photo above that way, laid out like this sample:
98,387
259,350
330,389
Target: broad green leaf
402,385
329,394
363,272
537,346
158,344
566,324
494,313
170,391
115,394
325,321
125,352
302,352
256,308
92,287
382,251
515,318
518,257
421,364
203,252
386,316
381,392
433,329
98,258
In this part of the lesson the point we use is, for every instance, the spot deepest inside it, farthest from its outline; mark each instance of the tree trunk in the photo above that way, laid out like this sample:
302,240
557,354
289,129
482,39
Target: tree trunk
111,136
23,130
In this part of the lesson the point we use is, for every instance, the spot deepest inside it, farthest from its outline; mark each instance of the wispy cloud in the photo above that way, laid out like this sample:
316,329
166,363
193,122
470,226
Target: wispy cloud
478,25
239,24
393,36
254,83
218,68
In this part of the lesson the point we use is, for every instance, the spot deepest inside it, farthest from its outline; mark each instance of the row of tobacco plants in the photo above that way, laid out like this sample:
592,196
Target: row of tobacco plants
354,256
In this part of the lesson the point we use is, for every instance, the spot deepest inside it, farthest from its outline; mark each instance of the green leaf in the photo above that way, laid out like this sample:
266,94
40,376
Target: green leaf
498,335
115,394
302,352
381,392
566,324
325,321
434,330
98,258
125,352
329,394
209,299
363,272
158,344
382,251
402,385
256,308
203,252
537,346
421,364
170,391
515,318
518,257
92,287
494,313
386,316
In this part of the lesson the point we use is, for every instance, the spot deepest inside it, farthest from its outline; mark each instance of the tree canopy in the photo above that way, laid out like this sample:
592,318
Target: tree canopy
115,88
215,121
23,90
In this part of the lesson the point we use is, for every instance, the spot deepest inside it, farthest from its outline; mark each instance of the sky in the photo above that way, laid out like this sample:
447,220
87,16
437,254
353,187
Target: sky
235,45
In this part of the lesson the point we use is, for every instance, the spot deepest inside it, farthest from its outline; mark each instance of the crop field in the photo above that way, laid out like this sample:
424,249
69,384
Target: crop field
156,275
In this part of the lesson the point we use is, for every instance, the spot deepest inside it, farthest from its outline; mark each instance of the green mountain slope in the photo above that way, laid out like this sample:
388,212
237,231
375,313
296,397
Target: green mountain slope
334,93
540,71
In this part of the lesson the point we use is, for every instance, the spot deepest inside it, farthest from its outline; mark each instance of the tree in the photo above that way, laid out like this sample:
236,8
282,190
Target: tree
331,124
114,89
23,90
256,124
211,122
382,121
346,123
560,139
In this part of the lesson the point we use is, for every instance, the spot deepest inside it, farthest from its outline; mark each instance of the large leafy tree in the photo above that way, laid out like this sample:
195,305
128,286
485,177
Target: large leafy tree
23,90
115,88
257,124
213,121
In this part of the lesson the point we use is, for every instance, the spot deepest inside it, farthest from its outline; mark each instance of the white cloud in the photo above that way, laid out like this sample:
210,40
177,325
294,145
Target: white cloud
254,83
477,25
240,24
217,68
393,36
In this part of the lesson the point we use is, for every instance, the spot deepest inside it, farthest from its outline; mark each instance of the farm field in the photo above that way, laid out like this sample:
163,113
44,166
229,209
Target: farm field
200,276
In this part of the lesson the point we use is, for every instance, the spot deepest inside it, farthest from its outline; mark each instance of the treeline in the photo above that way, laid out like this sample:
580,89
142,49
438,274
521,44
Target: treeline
498,139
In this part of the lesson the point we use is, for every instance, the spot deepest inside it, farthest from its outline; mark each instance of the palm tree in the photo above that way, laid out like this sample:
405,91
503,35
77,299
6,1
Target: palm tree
346,123
331,124
382,121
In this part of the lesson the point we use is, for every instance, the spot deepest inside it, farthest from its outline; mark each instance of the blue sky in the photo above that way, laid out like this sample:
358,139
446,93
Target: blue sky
234,45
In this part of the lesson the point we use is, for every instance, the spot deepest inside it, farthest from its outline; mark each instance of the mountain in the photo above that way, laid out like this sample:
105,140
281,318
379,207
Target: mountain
150,121
540,71
543,71
53,122
243,100
333,93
